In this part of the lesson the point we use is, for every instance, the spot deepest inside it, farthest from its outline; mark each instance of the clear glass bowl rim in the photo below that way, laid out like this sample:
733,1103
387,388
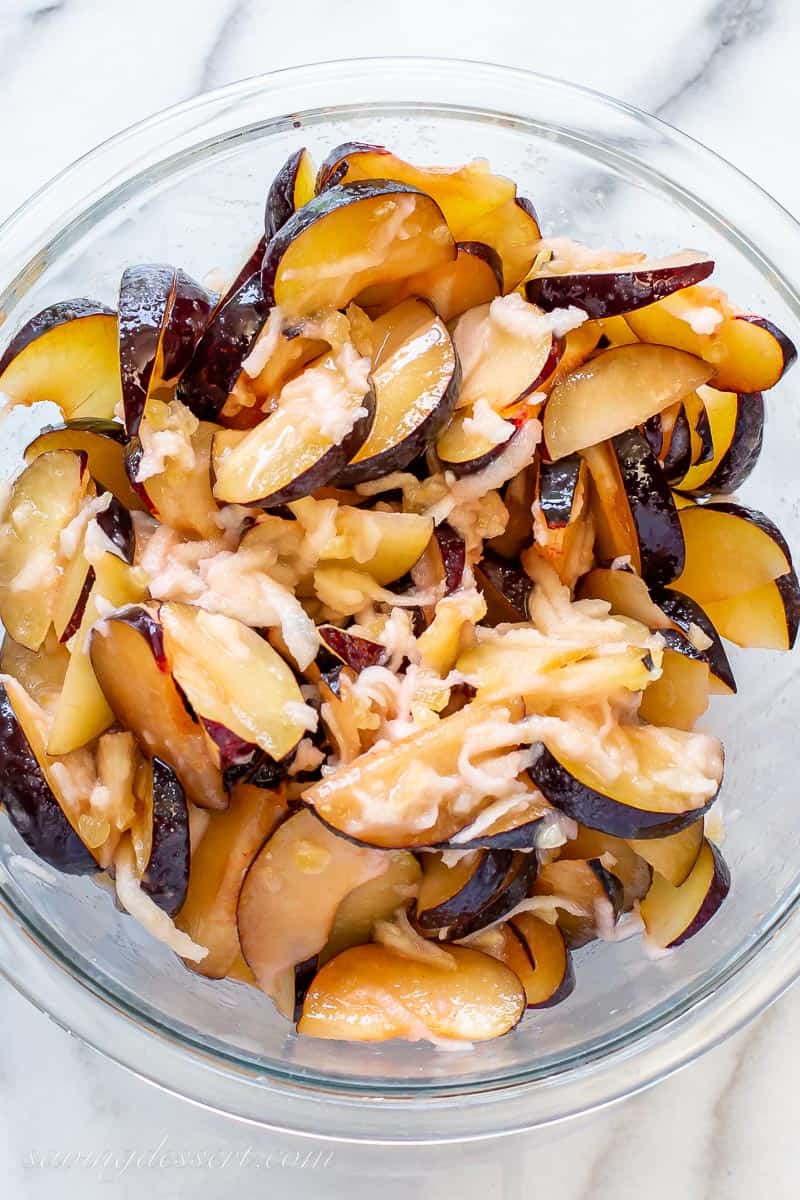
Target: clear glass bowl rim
742,988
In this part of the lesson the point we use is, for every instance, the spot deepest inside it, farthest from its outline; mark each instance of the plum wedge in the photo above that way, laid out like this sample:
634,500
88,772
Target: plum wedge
29,789
748,353
620,388
473,277
730,549
372,994
68,354
290,896
103,442
672,915
611,291
291,188
508,351
320,422
129,660
537,954
374,231
44,500
234,681
415,378
218,866
636,803
736,424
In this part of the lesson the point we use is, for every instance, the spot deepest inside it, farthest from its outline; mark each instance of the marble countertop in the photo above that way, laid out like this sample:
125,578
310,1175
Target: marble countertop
76,71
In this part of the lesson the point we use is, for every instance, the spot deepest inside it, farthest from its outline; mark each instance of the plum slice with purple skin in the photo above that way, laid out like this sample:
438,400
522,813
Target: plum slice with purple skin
654,517
354,651
730,549
130,663
226,341
415,378
166,875
678,457
612,291
371,232
737,433
42,503
451,897
672,915
537,954
477,891
28,790
291,188
623,807
218,866
146,293
618,389
506,589
465,450
558,482
591,887
767,618
285,458
67,353
479,998
103,442
289,898
186,322
239,688
474,277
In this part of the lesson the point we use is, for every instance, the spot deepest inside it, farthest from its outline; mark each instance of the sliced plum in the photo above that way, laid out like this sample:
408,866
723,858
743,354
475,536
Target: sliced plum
44,499
475,276
508,351
28,789
506,589
82,712
415,378
353,650
146,294
674,856
617,390
218,866
225,343
291,188
672,915
767,617
610,291
373,994
166,875
452,897
68,354
130,664
594,894
322,419
374,900
747,352
234,680
289,899
737,432
366,233
637,804
730,549
180,495
103,442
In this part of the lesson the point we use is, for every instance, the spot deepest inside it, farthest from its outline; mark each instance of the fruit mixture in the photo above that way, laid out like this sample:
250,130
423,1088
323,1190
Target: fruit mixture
358,619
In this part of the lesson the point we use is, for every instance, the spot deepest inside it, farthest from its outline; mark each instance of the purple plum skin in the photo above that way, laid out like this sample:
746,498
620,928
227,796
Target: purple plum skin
616,291
31,805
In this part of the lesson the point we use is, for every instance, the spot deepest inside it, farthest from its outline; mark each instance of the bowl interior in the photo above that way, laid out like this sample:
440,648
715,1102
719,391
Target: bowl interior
202,208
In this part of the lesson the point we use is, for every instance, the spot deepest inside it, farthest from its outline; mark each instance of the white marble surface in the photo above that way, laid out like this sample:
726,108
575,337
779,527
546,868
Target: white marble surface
75,71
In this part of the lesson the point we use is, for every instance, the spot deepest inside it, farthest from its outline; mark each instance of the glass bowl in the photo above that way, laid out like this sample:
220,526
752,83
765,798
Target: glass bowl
188,187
